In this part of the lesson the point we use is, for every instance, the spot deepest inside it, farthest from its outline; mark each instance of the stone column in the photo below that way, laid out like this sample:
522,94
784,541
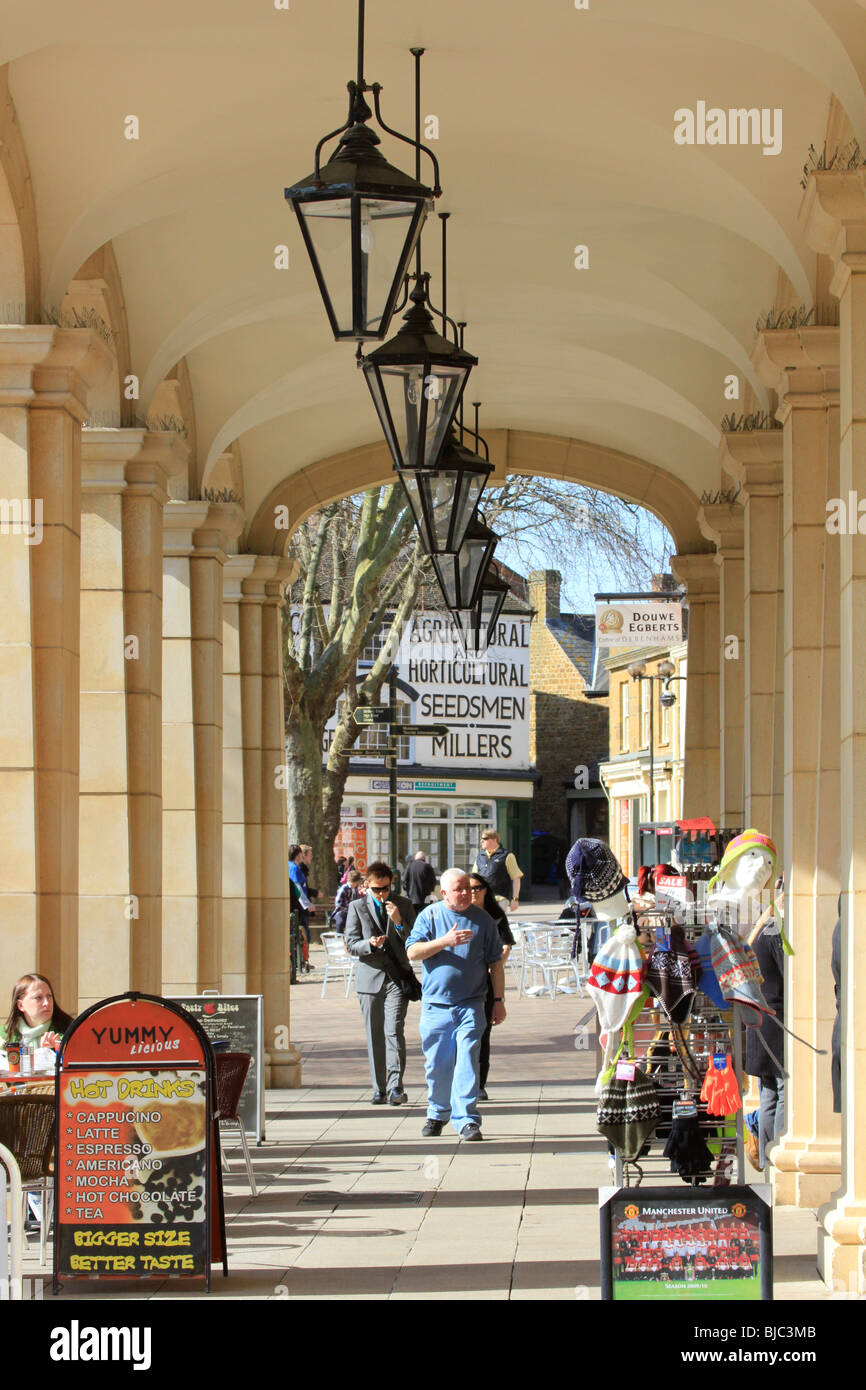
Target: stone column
255,841
124,488
197,537
754,458
722,523
802,365
834,217
701,795
45,374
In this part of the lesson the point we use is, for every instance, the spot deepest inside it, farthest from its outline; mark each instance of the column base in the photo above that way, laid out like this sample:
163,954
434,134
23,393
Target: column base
805,1176
283,1070
842,1250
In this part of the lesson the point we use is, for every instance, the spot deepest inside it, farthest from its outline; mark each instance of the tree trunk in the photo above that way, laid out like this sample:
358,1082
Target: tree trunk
334,783
304,791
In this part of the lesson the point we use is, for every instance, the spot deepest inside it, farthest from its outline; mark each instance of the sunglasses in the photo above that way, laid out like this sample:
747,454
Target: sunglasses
378,888
477,888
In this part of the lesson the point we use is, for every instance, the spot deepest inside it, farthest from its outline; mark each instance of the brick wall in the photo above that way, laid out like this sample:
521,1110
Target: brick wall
565,729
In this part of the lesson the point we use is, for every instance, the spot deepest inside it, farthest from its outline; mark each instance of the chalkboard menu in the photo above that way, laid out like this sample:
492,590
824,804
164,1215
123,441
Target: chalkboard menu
237,1020
138,1190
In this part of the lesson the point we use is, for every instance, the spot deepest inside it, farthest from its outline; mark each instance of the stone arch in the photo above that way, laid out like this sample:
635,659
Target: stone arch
511,451
19,243
172,407
94,298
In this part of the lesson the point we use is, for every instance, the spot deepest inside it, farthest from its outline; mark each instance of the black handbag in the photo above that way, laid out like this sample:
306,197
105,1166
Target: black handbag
406,979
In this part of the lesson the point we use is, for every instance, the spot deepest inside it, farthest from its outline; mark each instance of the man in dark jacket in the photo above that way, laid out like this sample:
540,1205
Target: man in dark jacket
419,881
376,928
767,947
499,868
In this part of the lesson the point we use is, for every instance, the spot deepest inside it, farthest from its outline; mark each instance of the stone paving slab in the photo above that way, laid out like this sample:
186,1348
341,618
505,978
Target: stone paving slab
515,1217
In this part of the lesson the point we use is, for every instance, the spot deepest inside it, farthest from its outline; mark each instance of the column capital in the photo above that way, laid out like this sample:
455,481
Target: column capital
131,460
833,217
50,367
700,574
201,528
723,523
754,458
800,364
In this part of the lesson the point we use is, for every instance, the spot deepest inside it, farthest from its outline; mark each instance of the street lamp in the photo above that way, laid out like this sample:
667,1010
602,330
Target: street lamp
461,572
361,218
416,380
484,615
663,672
444,499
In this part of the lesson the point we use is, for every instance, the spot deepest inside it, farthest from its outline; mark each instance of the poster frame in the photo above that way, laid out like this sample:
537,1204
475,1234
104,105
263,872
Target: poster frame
698,1196
258,1057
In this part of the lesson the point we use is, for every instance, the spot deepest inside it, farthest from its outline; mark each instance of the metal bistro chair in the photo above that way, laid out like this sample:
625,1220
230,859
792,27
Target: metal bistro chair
515,957
547,953
231,1073
27,1130
338,962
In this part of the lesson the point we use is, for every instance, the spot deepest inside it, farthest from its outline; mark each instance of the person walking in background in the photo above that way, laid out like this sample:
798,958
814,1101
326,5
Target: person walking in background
458,944
347,893
499,869
306,865
419,880
376,925
349,866
483,898
298,879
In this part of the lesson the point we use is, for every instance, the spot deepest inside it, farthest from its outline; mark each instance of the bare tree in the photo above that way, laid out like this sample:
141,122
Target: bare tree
361,575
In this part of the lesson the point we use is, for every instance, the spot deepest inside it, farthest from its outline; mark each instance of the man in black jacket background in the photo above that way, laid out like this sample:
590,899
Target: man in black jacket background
419,881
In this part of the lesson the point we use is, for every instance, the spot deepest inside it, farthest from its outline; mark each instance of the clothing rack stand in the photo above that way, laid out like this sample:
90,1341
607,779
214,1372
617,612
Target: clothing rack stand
707,1030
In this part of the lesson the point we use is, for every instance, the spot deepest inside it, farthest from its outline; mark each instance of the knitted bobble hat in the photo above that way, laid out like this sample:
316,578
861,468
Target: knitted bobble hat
616,979
738,973
594,871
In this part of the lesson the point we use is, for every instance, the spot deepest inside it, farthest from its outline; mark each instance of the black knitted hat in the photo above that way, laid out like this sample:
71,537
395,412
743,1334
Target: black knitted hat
594,871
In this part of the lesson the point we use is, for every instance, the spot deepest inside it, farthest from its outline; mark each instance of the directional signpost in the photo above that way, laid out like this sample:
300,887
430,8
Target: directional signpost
387,714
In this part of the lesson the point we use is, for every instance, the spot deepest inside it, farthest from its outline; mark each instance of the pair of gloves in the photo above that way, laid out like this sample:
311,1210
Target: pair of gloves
721,1091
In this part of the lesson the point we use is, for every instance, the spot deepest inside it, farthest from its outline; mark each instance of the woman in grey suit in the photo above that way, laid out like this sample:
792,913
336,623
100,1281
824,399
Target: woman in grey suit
376,928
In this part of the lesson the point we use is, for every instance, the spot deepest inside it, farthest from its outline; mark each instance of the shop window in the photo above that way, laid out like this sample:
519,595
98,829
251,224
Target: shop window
430,810
475,810
624,711
382,809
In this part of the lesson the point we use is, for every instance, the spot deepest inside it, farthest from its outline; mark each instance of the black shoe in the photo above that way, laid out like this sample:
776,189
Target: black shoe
433,1128
397,1098
471,1133
379,1098
482,1094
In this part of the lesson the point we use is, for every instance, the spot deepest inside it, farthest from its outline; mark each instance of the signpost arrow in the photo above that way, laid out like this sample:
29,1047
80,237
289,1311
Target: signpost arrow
372,714
422,730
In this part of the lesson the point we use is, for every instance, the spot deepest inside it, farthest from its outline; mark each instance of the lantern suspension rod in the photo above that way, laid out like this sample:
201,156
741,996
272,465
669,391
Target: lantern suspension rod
361,16
461,326
417,54
446,321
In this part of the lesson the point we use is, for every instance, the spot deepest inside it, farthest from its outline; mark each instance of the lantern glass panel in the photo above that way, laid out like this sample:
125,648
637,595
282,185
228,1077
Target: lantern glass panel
373,236
420,406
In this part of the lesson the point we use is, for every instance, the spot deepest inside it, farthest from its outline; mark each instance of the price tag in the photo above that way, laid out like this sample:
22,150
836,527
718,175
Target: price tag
684,1109
720,1060
625,1071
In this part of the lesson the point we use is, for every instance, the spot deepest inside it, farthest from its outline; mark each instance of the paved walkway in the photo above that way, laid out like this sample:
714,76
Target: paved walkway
354,1203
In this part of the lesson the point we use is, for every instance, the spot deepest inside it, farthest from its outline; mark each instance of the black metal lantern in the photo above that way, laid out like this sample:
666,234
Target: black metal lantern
461,572
444,499
360,218
476,626
416,380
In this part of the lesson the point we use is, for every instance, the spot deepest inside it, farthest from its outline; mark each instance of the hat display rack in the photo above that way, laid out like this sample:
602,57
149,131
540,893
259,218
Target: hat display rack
698,1047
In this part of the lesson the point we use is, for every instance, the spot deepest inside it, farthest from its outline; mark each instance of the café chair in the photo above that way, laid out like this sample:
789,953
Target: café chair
27,1130
231,1073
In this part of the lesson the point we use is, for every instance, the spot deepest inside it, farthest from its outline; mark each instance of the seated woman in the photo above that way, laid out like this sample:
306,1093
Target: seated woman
35,1017
482,897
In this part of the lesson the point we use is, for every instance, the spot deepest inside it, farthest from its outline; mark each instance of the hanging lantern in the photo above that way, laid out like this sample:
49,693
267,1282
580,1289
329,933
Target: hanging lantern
416,380
461,572
360,218
444,499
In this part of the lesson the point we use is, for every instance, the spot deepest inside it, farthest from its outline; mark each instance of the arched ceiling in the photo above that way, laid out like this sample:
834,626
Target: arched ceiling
556,129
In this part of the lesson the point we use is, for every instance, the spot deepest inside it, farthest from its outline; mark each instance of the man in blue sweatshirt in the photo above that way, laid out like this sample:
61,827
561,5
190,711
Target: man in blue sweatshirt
458,944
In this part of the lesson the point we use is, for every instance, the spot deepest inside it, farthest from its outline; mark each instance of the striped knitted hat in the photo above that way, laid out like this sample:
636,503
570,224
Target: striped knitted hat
738,973
628,1112
750,839
616,978
594,871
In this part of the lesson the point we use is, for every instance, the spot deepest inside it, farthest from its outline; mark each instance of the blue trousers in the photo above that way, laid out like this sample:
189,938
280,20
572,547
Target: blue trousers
451,1039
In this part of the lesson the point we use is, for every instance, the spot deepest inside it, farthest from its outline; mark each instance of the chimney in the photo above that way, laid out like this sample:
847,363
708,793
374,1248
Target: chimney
544,587
664,583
